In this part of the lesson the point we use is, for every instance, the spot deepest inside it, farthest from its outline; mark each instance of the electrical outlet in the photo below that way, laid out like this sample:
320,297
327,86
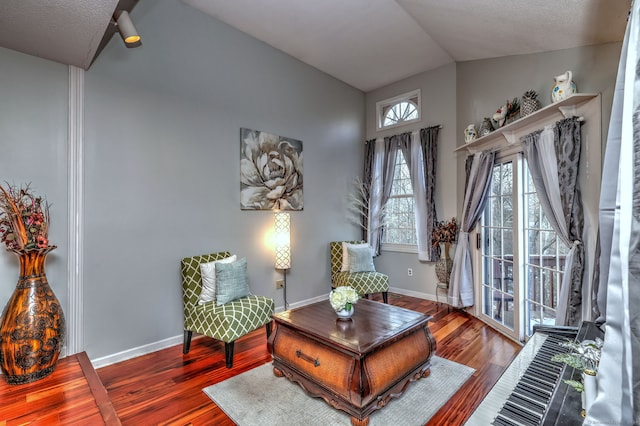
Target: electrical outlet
279,283
410,272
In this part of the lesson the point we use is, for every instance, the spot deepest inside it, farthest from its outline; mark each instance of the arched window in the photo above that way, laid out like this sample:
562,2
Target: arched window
399,110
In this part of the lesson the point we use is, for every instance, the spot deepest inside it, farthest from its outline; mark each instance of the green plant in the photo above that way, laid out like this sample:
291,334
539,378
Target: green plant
583,356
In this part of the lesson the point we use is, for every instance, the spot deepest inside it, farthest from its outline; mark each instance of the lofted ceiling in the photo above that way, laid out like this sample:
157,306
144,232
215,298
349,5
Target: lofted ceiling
371,43
69,32
365,43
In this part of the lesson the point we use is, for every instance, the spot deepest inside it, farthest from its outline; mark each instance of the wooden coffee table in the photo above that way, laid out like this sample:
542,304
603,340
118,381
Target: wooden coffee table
356,365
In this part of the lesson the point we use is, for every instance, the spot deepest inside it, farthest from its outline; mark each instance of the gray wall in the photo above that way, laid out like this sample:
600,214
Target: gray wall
438,91
483,86
162,168
463,93
33,143
162,126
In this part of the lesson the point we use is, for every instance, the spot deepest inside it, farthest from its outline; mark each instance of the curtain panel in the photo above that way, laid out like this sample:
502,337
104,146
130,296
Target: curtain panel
420,156
618,378
553,156
461,292
429,151
367,182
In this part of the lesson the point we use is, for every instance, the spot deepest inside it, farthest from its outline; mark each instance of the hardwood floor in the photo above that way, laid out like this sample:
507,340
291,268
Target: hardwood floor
165,387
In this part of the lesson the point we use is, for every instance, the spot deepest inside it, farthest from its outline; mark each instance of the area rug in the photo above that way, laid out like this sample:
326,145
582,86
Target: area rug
258,398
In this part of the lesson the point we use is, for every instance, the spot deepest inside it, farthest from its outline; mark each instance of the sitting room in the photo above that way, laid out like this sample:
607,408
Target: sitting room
370,127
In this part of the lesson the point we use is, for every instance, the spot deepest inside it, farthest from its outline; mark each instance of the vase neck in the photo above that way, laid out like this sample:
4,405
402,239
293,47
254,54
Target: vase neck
32,262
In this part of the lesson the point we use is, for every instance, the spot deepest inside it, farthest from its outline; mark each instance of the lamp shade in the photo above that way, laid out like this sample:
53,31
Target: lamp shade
282,240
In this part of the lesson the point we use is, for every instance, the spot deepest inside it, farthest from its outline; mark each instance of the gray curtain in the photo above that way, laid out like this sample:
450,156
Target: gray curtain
553,156
618,379
475,196
384,160
367,180
429,148
420,157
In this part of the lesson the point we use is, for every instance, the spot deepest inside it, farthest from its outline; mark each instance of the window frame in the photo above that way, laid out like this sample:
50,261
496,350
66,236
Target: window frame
414,97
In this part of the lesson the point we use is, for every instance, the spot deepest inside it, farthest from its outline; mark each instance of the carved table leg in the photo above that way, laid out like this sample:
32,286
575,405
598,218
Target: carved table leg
357,422
277,372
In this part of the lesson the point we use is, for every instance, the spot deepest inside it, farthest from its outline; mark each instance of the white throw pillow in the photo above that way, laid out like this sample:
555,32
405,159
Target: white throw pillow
208,272
345,255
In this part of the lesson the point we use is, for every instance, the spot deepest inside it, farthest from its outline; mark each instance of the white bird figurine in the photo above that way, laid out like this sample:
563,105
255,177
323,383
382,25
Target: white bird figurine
500,116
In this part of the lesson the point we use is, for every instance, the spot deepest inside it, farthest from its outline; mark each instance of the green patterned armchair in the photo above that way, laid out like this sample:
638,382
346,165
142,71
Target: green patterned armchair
364,283
227,322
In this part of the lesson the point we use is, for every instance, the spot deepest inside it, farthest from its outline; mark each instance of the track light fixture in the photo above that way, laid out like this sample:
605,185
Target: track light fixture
126,29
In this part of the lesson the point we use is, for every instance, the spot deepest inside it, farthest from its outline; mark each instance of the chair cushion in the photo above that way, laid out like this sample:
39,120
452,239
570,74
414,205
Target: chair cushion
360,258
231,281
363,282
231,320
208,272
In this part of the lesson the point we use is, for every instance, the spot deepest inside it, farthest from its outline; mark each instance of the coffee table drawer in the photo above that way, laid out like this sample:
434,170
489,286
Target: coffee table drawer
330,367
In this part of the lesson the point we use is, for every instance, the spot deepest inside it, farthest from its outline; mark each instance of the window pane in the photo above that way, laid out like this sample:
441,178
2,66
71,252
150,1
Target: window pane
399,221
507,211
495,211
507,179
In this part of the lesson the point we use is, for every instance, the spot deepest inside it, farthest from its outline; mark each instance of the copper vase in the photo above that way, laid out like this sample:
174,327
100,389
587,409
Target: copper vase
32,326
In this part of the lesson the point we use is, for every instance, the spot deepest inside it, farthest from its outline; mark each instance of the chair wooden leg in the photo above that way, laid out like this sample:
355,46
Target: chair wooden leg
228,354
385,297
268,326
186,343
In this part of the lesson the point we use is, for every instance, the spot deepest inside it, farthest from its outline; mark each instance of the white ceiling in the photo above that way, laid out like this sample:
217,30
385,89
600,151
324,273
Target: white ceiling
365,43
371,43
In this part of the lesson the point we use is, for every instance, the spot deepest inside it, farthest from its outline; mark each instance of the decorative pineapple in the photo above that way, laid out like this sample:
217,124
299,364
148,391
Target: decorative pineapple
530,103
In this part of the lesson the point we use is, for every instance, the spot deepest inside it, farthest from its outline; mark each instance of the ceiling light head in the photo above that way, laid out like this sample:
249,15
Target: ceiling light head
126,29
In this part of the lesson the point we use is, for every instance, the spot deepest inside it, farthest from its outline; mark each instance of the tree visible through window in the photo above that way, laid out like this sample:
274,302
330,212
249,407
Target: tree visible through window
399,220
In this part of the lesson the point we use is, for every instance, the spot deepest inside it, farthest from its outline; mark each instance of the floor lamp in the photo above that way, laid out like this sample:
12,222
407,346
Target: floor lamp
282,239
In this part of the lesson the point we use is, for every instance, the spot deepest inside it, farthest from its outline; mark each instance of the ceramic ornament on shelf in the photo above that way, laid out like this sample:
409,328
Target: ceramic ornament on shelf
563,87
470,133
486,127
529,103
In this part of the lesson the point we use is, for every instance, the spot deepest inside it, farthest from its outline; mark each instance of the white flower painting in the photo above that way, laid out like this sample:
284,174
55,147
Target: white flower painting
270,171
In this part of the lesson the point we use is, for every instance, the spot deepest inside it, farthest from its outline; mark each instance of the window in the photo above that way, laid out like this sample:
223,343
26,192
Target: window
399,219
398,111
518,246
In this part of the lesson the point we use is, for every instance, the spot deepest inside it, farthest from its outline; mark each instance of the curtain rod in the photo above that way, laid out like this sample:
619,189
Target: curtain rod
439,126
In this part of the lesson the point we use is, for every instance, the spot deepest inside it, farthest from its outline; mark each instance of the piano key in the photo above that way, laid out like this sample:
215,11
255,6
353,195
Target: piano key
522,394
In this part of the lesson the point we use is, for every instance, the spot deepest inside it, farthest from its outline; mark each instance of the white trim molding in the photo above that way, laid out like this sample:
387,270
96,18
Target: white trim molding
75,189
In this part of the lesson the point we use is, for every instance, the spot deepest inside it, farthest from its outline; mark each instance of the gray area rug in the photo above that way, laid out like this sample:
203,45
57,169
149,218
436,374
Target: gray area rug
257,398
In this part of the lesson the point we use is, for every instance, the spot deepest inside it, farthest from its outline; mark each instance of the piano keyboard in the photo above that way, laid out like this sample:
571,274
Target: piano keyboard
523,392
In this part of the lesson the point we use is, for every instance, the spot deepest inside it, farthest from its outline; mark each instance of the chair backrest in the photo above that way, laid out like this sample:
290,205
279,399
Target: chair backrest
192,279
335,254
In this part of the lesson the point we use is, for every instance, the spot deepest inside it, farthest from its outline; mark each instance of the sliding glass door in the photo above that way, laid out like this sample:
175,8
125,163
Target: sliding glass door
522,259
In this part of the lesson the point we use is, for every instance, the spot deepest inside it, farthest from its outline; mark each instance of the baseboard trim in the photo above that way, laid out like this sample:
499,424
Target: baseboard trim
135,352
177,340
416,294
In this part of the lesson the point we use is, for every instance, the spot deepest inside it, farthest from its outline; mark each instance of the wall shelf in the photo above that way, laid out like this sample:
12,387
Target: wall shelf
511,133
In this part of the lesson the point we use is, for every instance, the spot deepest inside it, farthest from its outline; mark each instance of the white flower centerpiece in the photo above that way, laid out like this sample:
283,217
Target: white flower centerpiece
342,300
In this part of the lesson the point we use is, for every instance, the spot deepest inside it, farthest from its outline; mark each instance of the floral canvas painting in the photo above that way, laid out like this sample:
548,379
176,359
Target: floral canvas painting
270,171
